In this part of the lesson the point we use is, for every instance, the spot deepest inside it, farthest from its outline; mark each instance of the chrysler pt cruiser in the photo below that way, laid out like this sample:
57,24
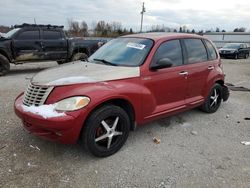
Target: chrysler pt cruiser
128,82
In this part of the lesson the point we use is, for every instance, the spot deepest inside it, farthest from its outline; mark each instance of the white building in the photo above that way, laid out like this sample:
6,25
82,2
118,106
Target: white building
221,38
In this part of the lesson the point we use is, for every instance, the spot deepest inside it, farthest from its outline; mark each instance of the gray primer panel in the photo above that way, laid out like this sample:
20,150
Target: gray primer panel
83,72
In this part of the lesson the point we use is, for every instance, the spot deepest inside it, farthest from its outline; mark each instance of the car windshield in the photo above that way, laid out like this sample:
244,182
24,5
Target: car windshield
11,33
123,52
232,45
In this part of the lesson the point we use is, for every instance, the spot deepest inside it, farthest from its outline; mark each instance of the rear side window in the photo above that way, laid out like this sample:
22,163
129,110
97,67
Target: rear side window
29,35
171,50
196,51
211,51
51,35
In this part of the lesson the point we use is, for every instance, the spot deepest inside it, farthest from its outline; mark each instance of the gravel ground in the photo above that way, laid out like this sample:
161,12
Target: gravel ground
196,149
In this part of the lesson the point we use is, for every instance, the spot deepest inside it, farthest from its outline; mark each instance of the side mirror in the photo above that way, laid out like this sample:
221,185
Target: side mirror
162,63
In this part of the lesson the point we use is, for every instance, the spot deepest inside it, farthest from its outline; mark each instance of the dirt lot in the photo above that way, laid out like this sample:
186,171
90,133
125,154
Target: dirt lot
196,149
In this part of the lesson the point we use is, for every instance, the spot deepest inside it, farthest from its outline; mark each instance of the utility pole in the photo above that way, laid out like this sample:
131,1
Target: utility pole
142,12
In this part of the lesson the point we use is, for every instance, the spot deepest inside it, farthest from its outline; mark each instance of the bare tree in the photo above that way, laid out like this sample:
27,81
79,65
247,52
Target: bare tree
74,28
84,29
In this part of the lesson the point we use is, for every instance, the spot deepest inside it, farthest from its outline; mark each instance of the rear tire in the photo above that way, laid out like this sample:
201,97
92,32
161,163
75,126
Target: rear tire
79,56
59,62
4,65
236,56
213,101
106,131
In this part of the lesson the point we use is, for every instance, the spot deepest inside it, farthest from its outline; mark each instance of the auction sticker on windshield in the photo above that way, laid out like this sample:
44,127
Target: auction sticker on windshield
136,45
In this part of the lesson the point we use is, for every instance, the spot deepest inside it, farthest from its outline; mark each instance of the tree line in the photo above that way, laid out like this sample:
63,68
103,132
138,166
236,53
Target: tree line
115,29
99,29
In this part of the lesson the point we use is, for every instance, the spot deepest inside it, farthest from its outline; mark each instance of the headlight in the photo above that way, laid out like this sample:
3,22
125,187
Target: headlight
72,103
232,51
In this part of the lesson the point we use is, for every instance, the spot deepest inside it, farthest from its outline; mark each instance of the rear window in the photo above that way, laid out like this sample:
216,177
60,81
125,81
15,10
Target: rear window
51,35
196,51
211,51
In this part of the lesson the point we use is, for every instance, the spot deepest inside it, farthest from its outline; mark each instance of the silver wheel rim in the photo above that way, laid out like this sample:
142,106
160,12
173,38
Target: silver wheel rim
214,98
110,132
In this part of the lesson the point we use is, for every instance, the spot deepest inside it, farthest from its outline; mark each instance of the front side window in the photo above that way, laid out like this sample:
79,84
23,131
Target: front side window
170,50
51,35
211,50
123,52
196,51
29,35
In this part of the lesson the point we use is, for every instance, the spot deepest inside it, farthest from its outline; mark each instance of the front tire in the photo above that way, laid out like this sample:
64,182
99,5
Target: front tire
213,101
246,56
4,65
106,130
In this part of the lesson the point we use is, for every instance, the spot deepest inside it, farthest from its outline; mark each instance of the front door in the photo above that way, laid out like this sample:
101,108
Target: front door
27,45
166,86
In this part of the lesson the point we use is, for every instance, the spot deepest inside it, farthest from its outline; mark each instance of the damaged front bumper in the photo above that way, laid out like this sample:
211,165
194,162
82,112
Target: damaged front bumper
64,129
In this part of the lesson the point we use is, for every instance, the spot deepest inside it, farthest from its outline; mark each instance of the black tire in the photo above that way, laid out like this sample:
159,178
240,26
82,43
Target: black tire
212,104
246,56
59,62
79,56
236,56
4,65
95,136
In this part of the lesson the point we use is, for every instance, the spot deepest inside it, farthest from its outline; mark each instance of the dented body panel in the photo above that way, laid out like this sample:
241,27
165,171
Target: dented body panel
38,44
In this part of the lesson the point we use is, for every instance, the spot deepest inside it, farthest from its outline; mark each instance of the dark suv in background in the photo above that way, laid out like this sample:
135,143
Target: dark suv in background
30,42
235,50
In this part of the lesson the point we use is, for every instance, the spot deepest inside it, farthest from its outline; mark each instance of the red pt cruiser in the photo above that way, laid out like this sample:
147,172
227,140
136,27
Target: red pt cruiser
129,81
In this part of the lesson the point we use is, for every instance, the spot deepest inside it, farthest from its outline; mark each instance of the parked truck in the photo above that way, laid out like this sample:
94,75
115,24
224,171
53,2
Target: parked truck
32,42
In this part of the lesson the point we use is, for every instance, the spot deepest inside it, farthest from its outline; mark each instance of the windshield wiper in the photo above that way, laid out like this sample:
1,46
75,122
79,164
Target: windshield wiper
105,62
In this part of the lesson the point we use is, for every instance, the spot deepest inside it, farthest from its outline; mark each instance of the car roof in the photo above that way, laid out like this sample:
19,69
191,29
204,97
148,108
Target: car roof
162,35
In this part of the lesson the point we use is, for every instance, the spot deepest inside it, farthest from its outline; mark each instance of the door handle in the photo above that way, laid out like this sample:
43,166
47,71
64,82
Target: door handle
183,73
210,67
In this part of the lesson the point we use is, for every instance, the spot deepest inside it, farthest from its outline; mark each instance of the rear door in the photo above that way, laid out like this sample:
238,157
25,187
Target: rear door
54,44
167,86
199,65
27,45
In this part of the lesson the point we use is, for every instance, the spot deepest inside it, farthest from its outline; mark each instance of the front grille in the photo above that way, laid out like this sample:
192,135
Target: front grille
36,95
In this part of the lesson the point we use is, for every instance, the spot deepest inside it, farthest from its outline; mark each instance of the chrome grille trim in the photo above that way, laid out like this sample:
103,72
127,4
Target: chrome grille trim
36,95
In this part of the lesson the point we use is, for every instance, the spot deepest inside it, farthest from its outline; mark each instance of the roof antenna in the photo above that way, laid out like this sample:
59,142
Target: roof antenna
35,20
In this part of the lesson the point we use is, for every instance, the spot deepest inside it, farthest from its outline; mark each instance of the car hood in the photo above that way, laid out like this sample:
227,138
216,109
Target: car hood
83,72
228,49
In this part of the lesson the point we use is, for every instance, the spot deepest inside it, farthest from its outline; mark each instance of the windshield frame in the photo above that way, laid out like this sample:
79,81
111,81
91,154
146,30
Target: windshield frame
91,59
11,33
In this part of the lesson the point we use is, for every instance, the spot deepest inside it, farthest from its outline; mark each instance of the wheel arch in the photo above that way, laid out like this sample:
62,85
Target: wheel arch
221,82
81,50
5,54
123,103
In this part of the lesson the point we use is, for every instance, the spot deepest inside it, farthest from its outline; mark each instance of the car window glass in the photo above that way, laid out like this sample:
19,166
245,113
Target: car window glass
28,35
211,50
196,51
51,35
171,50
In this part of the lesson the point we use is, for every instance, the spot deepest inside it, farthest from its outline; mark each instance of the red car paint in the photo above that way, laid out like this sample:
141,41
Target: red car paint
146,94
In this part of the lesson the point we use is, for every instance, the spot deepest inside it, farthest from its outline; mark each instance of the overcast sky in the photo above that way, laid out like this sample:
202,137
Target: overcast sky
197,14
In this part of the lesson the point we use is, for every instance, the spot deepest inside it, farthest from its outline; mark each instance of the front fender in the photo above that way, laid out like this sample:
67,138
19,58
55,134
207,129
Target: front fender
130,90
